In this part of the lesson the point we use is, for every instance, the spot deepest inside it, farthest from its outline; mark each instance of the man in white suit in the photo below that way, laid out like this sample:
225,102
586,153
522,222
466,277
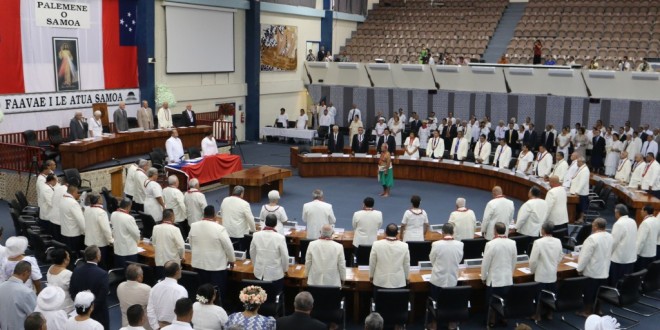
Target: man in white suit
436,146
623,168
72,219
594,262
561,166
637,169
139,177
237,217
543,162
97,228
45,191
572,169
624,246
482,151
195,202
546,255
269,254
498,209
580,187
463,220
366,223
325,263
502,155
212,251
647,239
389,261
459,147
126,234
167,242
316,214
556,200
165,116
173,198
445,256
498,264
651,175
532,214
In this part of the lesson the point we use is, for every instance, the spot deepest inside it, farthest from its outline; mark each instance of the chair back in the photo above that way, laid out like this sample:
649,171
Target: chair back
323,131
156,158
598,187
54,135
194,152
149,277
304,244
132,122
652,279
14,218
148,224
37,244
30,138
569,294
521,300
522,242
327,303
247,241
72,177
452,304
419,251
58,244
512,162
582,235
473,248
110,201
362,253
392,305
22,200
629,286
190,280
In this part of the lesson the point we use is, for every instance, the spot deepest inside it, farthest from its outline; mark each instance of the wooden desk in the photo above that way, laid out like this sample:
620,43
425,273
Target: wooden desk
257,180
635,199
82,154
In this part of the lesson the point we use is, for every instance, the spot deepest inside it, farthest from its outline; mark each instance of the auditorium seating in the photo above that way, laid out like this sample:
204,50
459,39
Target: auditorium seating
605,29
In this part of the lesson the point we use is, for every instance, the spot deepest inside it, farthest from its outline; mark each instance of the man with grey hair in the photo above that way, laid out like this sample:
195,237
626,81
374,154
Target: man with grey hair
173,198
133,292
126,234
325,263
546,255
498,209
623,169
195,202
153,196
18,300
594,262
301,318
373,322
464,221
637,171
165,116
269,254
237,218
624,246
580,187
167,242
316,214
97,227
145,116
135,179
120,118
78,127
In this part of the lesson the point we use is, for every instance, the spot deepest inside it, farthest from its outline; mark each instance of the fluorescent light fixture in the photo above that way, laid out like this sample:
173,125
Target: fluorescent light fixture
412,67
521,71
447,68
560,73
379,66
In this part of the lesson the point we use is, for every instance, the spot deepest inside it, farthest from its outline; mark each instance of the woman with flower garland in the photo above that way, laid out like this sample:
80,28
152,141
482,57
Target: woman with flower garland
252,297
207,315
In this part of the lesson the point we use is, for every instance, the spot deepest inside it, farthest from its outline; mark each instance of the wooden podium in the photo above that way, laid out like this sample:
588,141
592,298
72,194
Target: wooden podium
117,181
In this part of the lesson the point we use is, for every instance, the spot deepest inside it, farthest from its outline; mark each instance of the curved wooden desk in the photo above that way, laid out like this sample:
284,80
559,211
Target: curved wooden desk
82,154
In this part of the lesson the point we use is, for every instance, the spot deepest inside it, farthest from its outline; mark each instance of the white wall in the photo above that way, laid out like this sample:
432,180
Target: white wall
341,31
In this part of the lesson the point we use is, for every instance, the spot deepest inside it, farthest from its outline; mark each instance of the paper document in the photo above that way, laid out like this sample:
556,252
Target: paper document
426,277
363,268
525,270
140,250
571,264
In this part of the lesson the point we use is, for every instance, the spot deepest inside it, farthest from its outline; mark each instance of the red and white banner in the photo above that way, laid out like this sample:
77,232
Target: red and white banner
64,46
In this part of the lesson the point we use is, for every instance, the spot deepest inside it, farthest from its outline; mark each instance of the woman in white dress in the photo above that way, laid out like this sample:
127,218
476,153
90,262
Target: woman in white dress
153,201
613,154
274,208
58,275
415,222
353,128
95,125
423,134
412,146
206,314
380,126
396,128
563,141
84,304
302,120
15,247
525,159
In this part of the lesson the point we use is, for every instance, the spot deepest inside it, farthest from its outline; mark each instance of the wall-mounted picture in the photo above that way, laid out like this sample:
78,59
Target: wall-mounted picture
65,57
279,47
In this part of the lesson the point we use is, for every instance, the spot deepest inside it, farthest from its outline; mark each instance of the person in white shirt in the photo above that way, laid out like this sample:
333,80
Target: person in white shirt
97,228
474,130
463,220
326,120
45,190
174,147
132,293
301,123
316,214
165,116
82,320
282,119
173,198
459,147
96,125
351,113
436,146
556,200
325,263
195,202
543,164
411,145
47,167
647,239
580,187
274,208
624,252
269,254
137,180
498,209
445,256
546,255
183,309
423,133
482,151
237,217
650,146
498,264
560,167
572,169
167,242
332,112
637,169
49,304
129,186
502,155
366,223
73,219
500,130
525,160
153,196
55,217
403,117
389,261
623,169
136,318
206,314
164,295
380,127
126,234
212,251
532,214
209,146
635,144
651,176
594,262
415,222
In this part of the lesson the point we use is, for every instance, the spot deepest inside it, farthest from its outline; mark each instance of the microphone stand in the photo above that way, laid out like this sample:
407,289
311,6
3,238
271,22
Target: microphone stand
234,142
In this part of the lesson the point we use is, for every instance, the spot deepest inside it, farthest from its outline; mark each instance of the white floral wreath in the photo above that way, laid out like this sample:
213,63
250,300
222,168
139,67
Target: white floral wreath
253,295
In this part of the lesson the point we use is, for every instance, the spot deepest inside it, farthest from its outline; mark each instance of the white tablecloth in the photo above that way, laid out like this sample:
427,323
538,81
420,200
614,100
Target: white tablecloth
307,134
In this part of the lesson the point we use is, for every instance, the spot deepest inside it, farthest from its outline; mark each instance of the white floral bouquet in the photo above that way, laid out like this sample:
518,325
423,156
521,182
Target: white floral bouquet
164,94
252,295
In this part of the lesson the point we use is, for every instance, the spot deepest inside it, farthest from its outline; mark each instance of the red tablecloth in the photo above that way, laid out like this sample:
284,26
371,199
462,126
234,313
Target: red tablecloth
213,168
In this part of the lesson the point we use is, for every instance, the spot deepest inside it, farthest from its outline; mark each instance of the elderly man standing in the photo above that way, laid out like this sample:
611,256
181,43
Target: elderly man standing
97,228
445,256
498,264
463,220
594,262
269,254
499,209
72,219
77,127
135,182
133,292
90,277
237,218
624,249
325,263
126,234
165,116
366,223
556,201
120,118
153,196
316,214
145,116
18,300
173,198
301,319
174,148
546,255
580,187
164,295
561,166
623,169
389,261
167,241
188,116
212,251
647,239
637,171
195,202
532,214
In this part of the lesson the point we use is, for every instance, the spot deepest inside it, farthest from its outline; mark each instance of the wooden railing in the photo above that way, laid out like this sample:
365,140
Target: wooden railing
42,136
20,158
207,116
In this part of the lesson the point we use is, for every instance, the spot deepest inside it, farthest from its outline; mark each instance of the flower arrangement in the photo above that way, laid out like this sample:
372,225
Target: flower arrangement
227,109
201,299
164,94
252,296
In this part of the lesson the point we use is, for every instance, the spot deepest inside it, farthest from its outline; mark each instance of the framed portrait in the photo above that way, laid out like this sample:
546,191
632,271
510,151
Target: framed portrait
66,60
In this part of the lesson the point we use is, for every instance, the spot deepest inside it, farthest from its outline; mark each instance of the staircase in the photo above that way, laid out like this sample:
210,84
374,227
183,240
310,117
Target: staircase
504,31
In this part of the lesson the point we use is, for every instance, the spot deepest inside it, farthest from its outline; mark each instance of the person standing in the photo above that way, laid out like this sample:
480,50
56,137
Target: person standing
153,196
360,145
135,184
445,256
387,139
366,223
335,141
389,261
173,198
325,263
498,265
209,146
96,125
411,146
165,116
174,148
436,146
598,152
623,169
126,234
301,123
502,155
538,49
385,171
132,292
543,164
352,113
73,219
482,151
164,296
90,277
556,201
624,251
301,319
532,214
560,168
120,118
97,228
580,187
316,214
237,218
273,207
269,254
145,116
546,255
18,300
464,221
77,127
167,242
594,263
353,129
459,147
188,116
647,239
195,202
415,222
498,209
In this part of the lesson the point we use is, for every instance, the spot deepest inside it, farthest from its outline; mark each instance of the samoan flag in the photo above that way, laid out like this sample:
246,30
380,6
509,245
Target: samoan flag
127,22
